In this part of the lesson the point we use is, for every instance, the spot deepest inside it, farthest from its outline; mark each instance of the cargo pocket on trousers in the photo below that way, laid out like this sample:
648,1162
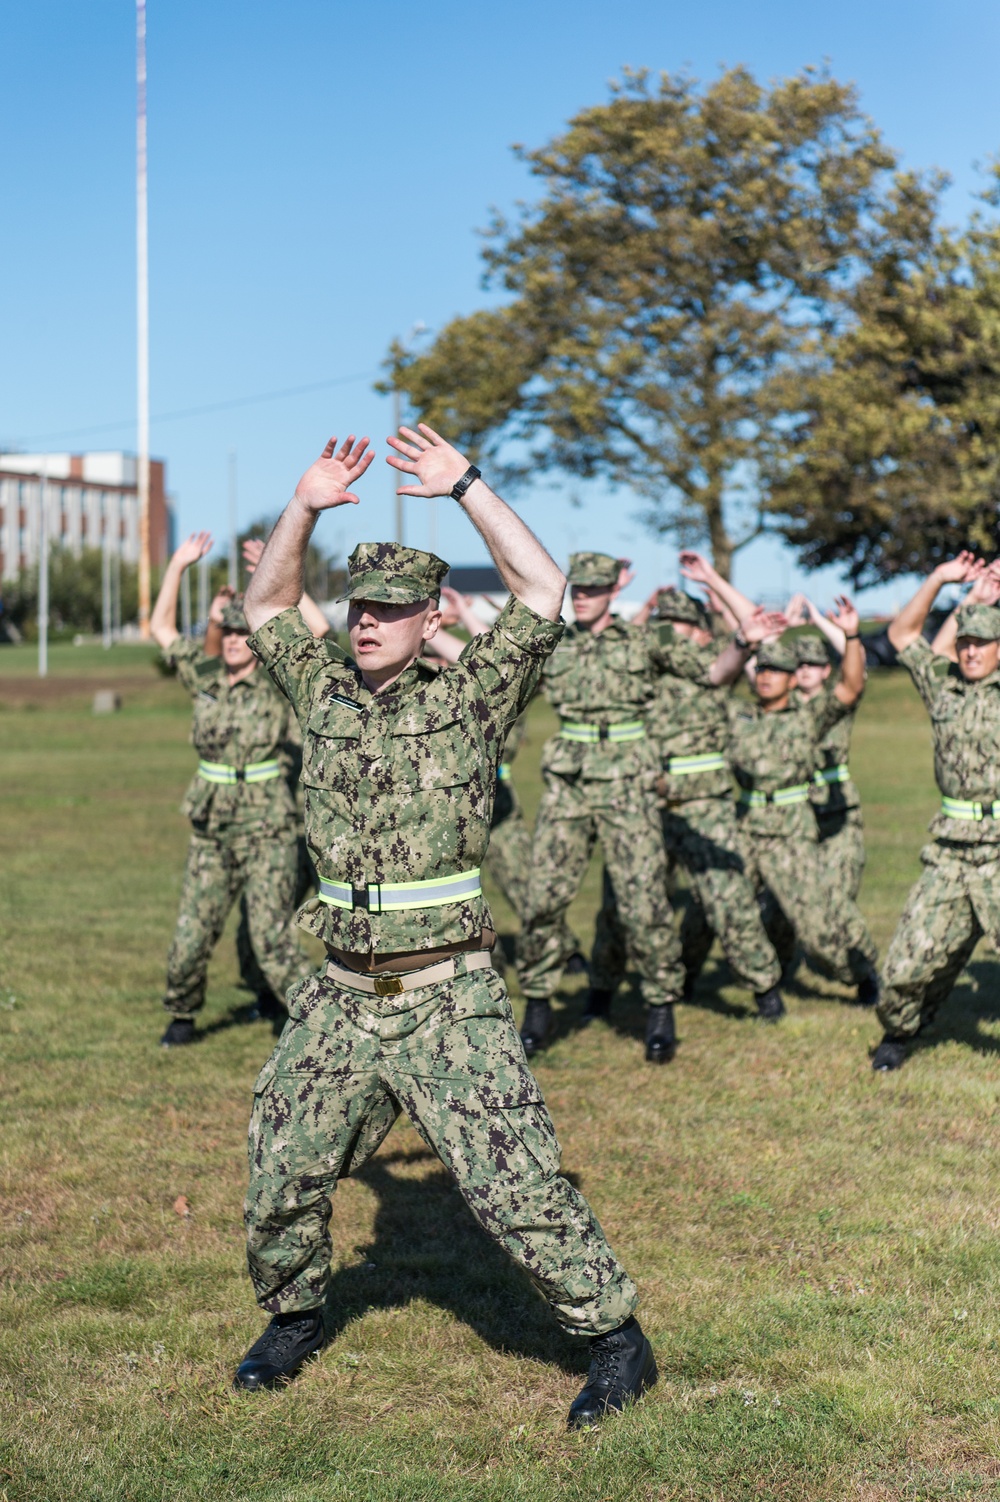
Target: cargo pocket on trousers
520,1131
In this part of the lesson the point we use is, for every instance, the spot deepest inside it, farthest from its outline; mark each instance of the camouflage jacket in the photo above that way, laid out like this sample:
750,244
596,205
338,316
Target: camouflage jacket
688,717
235,725
834,751
780,749
965,721
611,679
399,786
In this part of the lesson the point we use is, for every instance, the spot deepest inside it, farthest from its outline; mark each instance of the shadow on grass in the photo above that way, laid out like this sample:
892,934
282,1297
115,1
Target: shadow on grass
427,1246
975,1000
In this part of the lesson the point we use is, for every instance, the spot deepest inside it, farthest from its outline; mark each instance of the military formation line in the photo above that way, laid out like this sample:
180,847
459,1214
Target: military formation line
400,747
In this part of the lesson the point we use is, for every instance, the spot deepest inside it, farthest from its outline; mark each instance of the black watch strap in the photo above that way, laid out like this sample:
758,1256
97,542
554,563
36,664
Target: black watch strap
461,486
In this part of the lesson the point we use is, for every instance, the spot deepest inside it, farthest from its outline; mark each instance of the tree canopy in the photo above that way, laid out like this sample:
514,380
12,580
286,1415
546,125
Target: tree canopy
671,298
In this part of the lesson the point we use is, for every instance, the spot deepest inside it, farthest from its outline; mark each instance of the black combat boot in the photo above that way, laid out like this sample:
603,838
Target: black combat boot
288,1341
537,1025
598,1005
869,991
622,1367
890,1054
661,1039
180,1031
770,1005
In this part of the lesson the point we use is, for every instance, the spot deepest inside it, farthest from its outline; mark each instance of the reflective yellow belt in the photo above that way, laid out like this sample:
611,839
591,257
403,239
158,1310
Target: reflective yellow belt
254,771
393,896
750,798
503,772
956,808
827,775
684,766
628,730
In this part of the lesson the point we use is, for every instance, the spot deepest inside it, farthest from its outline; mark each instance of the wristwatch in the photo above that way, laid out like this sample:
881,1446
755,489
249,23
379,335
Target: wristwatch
461,486
739,640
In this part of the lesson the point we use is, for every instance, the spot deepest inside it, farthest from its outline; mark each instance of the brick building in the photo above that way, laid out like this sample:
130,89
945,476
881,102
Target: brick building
87,495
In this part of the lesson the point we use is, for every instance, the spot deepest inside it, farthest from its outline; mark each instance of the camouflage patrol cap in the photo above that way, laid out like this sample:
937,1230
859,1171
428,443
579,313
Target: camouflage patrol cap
233,618
811,651
395,575
594,569
981,621
674,605
779,655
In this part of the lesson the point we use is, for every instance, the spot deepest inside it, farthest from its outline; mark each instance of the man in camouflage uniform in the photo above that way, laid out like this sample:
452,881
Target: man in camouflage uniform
957,898
599,773
834,795
774,750
399,768
244,827
689,727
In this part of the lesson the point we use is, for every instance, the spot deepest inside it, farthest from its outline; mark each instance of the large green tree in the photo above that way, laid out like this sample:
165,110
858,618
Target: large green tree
898,464
670,295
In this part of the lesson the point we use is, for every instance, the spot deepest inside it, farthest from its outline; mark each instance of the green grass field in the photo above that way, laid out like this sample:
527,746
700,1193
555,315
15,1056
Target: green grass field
816,1246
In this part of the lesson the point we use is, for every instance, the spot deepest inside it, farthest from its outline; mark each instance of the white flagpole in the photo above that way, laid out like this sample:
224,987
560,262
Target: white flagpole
142,314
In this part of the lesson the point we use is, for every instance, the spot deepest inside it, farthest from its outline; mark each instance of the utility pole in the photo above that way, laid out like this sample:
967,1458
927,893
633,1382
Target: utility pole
142,314
43,575
397,478
106,585
234,562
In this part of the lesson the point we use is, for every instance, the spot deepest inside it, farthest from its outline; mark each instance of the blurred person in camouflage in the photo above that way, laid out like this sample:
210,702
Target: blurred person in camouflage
400,770
688,724
242,812
774,749
956,900
599,773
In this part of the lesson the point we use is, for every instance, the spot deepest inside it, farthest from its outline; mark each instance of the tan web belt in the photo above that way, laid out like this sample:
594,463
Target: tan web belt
409,980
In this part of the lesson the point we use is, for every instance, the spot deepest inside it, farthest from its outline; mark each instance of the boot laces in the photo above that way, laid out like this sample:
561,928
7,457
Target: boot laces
283,1338
606,1361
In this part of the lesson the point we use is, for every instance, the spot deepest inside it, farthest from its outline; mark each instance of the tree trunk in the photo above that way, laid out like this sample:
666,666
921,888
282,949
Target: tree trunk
719,539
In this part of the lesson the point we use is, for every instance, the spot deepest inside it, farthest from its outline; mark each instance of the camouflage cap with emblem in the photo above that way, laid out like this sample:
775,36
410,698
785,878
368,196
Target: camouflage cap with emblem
675,605
393,575
233,618
779,655
596,570
979,621
811,651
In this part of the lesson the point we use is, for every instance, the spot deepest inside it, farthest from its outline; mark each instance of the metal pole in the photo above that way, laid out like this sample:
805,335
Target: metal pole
43,577
106,584
142,315
397,478
116,596
234,562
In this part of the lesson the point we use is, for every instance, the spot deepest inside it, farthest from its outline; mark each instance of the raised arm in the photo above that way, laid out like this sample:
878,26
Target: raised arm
909,623
163,621
757,626
646,609
277,581
985,591
522,563
851,683
253,551
700,571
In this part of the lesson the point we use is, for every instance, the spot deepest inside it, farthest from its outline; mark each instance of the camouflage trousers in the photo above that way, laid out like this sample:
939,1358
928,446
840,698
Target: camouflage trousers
702,837
799,906
508,858
573,816
260,862
252,976
953,905
450,1057
842,845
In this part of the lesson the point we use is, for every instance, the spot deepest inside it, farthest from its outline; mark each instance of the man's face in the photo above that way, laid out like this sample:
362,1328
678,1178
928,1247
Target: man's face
236,653
772,685
591,601
386,638
811,676
976,658
697,634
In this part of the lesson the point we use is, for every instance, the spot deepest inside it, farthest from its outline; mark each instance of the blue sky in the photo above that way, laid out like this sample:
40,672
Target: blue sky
318,173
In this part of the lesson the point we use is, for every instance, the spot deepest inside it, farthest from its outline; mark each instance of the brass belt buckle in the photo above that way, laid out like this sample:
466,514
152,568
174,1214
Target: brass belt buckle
388,985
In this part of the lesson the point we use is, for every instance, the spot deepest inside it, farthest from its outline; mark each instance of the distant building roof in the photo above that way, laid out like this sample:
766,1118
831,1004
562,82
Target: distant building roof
475,579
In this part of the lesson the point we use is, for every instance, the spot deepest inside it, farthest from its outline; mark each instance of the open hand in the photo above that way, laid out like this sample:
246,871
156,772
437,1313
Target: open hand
845,616
328,482
253,552
964,568
797,608
693,566
193,548
625,573
763,624
425,454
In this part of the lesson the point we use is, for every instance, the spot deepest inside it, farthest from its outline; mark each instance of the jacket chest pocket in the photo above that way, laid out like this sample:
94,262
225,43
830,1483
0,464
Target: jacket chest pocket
433,749
330,746
948,708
